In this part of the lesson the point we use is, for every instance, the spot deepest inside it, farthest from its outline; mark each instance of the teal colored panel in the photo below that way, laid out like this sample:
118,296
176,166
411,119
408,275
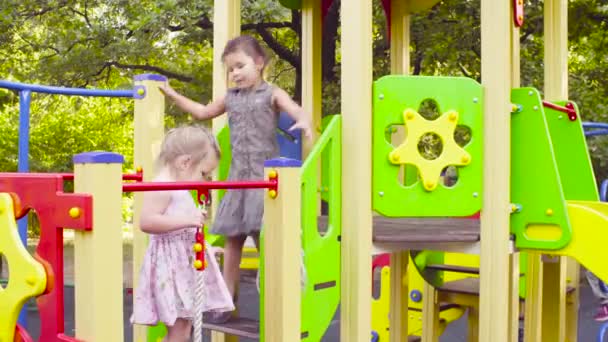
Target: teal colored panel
572,155
392,95
535,180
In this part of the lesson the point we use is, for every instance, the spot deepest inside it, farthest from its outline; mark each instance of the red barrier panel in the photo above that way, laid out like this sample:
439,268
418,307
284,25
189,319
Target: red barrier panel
55,210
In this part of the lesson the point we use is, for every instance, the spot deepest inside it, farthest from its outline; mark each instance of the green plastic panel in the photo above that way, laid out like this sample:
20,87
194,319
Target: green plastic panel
572,155
392,95
535,179
321,295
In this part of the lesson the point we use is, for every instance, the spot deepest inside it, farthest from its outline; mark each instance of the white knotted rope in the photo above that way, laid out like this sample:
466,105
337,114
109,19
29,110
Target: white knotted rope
198,307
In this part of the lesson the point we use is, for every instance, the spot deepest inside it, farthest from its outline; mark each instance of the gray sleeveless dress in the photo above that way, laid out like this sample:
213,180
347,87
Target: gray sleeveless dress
253,123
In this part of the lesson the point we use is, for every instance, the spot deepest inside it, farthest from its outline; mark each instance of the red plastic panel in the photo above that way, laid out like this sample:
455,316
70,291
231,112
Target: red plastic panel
44,194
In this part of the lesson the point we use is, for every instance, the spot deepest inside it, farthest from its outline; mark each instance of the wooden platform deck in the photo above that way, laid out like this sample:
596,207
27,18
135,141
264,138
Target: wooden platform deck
237,326
447,234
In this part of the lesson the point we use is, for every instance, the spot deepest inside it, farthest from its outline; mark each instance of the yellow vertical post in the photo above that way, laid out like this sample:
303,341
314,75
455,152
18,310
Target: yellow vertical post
514,262
534,298
226,25
554,299
400,63
311,67
356,18
558,320
473,324
98,253
495,244
430,314
514,298
148,127
282,246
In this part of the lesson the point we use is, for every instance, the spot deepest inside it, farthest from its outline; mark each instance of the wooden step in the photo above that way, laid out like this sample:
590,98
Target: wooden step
443,306
399,230
470,286
237,326
407,230
453,268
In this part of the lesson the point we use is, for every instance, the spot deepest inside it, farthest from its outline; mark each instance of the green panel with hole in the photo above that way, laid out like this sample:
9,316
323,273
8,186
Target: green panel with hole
321,294
572,154
458,191
535,181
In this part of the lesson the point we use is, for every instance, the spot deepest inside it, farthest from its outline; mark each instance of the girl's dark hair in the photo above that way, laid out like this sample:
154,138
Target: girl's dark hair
248,45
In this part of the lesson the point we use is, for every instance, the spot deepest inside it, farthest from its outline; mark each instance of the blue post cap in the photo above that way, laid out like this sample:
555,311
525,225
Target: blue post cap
150,77
283,162
98,157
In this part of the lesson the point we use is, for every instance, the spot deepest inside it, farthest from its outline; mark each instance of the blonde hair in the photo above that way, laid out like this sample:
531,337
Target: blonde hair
192,140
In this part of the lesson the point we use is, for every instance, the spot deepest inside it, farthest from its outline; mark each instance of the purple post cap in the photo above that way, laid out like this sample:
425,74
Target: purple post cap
150,77
283,162
98,157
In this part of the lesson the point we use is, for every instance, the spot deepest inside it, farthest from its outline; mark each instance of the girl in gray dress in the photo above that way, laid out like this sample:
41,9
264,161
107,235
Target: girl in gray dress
253,108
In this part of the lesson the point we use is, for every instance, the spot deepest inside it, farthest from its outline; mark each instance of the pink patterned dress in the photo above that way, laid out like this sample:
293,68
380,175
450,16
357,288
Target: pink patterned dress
167,284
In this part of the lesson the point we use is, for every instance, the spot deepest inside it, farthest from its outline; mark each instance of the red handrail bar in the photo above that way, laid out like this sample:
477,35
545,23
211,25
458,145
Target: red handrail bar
126,176
568,109
219,185
201,187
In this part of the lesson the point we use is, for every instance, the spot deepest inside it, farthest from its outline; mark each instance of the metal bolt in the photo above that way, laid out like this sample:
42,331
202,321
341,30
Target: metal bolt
381,193
530,93
535,107
475,195
381,96
560,117
475,100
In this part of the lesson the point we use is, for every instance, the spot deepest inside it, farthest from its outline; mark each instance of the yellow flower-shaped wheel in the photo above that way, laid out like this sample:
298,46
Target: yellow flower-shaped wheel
451,154
27,275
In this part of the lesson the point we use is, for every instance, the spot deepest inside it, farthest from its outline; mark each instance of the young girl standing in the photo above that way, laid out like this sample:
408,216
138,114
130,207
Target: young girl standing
253,108
166,288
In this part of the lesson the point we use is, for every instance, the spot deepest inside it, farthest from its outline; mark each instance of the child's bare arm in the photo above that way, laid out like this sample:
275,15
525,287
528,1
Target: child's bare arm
198,110
283,102
154,221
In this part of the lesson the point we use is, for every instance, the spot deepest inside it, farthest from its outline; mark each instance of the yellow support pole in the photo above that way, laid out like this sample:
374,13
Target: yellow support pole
430,314
226,25
400,64
98,253
514,298
473,324
514,305
554,299
311,67
282,246
495,244
562,320
149,130
356,18
534,299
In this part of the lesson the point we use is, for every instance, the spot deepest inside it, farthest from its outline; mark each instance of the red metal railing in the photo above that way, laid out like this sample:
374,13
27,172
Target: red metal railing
201,187
138,177
568,109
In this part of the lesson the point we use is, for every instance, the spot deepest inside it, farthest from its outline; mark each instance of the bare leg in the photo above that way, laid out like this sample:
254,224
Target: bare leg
233,250
179,332
256,240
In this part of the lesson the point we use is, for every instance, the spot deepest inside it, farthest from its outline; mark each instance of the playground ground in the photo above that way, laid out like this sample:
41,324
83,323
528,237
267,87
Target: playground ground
249,303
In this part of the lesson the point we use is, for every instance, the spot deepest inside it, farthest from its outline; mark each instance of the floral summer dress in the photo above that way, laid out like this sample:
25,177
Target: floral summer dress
167,283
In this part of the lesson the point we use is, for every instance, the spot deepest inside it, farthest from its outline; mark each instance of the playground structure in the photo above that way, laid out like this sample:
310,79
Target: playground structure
525,168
